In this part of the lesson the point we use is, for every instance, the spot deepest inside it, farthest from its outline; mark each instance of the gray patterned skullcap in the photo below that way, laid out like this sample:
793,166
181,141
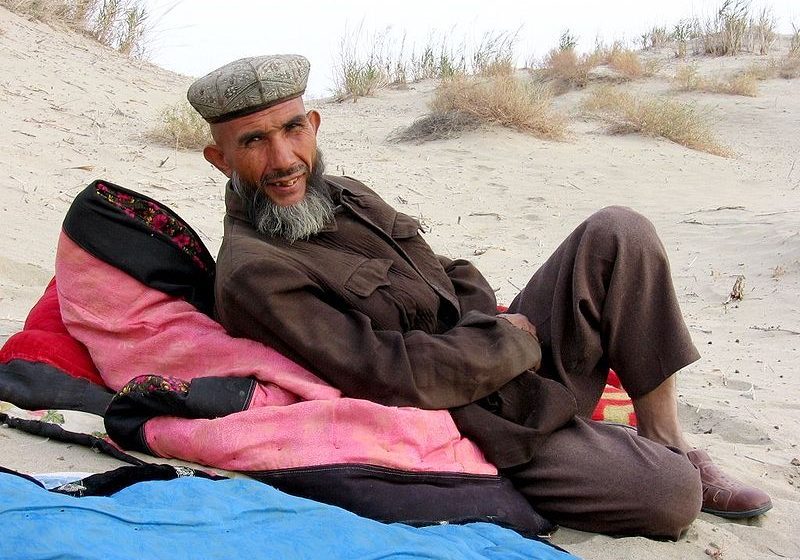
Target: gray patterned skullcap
248,85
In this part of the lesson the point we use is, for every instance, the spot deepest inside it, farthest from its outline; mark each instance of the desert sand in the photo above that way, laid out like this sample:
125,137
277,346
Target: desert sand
73,111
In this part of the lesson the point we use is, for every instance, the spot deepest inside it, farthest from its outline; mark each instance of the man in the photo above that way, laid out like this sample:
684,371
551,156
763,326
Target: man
326,272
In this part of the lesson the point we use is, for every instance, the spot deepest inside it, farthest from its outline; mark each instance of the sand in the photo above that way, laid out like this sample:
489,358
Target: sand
73,111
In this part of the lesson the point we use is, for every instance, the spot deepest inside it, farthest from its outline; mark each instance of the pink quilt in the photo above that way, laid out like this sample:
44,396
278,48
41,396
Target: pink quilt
294,418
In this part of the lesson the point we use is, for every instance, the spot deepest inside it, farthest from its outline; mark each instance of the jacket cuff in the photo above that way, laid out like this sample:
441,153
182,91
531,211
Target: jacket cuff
519,338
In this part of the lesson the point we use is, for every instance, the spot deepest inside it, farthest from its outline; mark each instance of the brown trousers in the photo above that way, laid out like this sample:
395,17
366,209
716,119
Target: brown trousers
605,299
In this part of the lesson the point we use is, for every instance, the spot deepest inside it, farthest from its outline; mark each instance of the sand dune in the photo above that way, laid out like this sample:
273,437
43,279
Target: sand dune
74,111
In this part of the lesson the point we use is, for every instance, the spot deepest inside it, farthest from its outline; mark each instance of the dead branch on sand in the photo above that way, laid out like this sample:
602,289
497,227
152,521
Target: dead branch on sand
772,328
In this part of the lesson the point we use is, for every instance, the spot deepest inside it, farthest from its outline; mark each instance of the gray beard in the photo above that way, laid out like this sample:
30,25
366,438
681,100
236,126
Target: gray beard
292,223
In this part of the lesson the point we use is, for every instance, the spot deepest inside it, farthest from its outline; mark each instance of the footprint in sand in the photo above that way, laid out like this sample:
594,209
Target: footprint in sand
727,426
22,274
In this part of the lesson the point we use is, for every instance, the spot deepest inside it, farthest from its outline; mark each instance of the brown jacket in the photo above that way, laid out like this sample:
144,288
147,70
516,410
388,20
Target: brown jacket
368,306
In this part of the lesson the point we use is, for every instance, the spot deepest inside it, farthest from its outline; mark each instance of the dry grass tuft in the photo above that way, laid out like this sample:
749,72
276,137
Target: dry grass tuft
725,34
733,28
790,67
133,30
762,30
494,55
437,60
182,127
463,103
787,67
655,38
360,72
438,125
765,70
653,116
122,25
502,100
682,33
794,44
745,83
367,62
626,63
741,84
42,10
565,70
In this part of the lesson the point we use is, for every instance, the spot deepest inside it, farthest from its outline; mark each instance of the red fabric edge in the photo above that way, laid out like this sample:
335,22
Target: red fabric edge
45,339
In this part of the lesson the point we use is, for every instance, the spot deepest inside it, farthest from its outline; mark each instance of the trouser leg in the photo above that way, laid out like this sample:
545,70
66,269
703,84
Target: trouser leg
605,299
604,478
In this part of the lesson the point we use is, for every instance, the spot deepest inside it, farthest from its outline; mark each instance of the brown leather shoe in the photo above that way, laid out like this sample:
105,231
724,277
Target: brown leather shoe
725,496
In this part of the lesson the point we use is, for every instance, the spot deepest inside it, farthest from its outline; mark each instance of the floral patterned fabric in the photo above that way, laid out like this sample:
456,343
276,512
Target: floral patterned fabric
161,221
153,383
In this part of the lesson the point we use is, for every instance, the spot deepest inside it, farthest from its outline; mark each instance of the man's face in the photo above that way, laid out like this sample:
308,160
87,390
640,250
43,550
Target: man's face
274,149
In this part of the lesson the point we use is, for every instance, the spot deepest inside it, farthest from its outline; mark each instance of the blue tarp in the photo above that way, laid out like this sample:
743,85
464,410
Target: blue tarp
190,518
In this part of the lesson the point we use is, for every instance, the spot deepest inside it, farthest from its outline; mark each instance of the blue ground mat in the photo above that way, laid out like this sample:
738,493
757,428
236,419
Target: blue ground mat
190,517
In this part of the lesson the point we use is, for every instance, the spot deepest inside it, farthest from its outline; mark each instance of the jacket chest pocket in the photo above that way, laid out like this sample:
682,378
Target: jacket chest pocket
368,276
385,310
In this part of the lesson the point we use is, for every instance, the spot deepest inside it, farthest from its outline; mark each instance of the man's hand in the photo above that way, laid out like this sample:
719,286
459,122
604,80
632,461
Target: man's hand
521,322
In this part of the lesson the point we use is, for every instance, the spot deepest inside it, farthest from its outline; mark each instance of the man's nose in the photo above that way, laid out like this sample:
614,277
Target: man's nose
280,155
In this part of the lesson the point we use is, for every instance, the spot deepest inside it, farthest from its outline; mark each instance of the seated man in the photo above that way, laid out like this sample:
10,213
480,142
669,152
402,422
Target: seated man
323,270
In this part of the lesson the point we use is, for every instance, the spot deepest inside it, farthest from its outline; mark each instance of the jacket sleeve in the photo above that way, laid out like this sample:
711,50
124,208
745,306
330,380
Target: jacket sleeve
281,306
472,289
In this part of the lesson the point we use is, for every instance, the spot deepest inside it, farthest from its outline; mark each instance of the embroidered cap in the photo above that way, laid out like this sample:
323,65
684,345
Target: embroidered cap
248,85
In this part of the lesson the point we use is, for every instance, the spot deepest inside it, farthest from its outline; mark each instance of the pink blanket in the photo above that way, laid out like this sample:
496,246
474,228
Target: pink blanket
294,419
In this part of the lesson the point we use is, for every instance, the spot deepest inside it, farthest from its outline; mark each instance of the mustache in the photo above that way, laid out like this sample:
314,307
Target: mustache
281,174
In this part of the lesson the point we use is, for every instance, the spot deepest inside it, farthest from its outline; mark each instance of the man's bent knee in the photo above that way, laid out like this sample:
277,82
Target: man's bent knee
677,499
621,222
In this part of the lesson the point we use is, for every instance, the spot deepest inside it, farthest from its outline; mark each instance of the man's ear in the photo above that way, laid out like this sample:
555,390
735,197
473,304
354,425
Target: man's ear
314,118
216,157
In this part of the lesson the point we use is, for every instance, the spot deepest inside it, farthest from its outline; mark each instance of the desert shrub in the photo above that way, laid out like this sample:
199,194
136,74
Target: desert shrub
734,29
438,125
464,102
681,34
42,10
732,20
566,70
181,127
741,83
790,67
765,70
794,44
626,63
762,31
567,41
687,78
681,123
657,37
787,67
120,24
503,100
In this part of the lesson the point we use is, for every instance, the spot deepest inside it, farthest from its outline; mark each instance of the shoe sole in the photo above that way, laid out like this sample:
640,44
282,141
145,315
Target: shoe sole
738,514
